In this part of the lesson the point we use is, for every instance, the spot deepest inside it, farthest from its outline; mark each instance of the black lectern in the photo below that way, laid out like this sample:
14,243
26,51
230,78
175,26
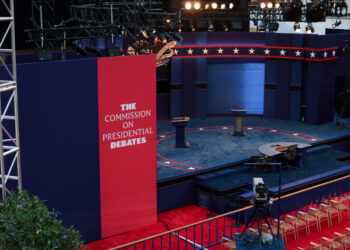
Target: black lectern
181,123
238,114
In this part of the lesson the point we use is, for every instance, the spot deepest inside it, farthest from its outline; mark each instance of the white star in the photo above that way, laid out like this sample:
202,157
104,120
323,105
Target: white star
205,51
297,53
220,51
235,51
334,52
267,52
325,54
283,52
190,51
251,51
312,54
176,51
191,168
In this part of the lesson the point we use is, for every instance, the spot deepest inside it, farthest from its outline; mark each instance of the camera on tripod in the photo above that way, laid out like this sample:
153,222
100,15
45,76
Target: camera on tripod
261,193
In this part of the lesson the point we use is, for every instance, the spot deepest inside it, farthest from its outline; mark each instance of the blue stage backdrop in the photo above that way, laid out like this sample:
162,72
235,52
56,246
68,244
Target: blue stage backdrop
236,85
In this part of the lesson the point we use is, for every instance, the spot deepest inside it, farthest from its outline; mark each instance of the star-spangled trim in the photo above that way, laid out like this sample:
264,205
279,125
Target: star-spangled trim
300,53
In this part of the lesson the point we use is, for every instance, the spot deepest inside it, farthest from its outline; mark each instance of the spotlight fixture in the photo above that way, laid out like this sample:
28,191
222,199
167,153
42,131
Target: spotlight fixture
145,33
168,20
206,6
178,37
261,27
262,5
197,5
162,37
336,24
80,50
224,26
192,28
297,27
231,5
211,26
277,5
223,6
214,5
269,5
188,5
309,29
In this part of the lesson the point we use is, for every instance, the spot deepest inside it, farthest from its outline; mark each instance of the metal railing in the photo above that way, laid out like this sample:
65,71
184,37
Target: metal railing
209,232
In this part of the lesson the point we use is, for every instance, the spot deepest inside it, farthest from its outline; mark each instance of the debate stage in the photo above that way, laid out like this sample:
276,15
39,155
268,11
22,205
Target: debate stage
211,172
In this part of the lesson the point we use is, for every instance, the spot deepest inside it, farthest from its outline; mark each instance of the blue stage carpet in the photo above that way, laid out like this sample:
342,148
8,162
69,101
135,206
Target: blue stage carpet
212,145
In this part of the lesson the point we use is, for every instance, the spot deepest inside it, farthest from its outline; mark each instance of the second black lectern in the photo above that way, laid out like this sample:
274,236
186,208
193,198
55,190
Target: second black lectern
180,124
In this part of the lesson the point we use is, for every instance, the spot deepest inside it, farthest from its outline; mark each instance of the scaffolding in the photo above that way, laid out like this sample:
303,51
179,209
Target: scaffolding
10,167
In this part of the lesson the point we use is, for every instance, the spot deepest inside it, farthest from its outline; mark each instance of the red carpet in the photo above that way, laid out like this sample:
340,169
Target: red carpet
174,219
191,214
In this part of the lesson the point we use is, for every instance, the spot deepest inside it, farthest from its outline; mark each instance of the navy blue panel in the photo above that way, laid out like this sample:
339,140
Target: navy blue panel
176,71
270,70
282,89
59,139
296,74
239,86
175,196
295,105
269,104
201,103
201,69
163,106
176,103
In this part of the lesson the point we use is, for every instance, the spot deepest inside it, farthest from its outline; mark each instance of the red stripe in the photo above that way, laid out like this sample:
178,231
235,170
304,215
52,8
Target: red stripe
254,46
180,163
321,60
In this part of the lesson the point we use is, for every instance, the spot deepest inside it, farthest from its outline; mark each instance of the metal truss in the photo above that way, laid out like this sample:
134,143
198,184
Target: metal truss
10,167
43,13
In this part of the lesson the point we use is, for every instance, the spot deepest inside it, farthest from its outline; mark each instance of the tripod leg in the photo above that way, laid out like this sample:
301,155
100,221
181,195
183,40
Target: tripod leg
249,220
268,224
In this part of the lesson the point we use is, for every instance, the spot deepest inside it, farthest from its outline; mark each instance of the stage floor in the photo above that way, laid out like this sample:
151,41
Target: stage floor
212,144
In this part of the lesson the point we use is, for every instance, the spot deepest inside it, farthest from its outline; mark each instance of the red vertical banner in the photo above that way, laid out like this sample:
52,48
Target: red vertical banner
127,135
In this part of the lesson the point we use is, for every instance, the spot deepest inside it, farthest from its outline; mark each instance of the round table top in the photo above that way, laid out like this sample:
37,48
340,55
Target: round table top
275,148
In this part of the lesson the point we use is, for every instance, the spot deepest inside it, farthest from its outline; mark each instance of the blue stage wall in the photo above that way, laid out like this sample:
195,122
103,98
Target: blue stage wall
289,84
59,139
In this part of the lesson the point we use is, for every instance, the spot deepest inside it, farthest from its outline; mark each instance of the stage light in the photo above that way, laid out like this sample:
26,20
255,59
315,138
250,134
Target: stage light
261,27
336,24
168,20
224,26
162,37
188,5
214,5
206,6
269,5
94,50
309,29
262,5
297,27
192,27
231,5
145,33
211,26
178,37
80,50
223,6
197,5
277,5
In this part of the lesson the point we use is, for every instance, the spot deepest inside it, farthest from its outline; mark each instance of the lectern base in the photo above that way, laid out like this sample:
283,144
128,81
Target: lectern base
238,134
186,145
